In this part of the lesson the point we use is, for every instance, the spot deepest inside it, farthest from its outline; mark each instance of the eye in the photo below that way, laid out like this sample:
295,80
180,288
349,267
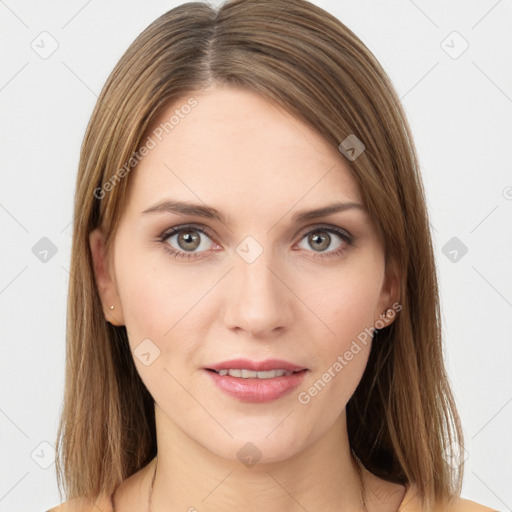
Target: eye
320,239
187,239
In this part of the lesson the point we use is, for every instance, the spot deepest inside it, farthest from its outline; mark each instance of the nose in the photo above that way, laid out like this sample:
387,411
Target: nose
258,301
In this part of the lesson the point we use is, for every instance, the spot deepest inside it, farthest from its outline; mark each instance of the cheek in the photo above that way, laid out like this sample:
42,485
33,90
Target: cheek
165,306
160,303
146,308
157,294
345,302
344,298
340,358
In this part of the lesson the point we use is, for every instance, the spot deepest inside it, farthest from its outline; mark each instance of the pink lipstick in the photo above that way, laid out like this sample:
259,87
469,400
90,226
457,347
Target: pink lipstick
256,382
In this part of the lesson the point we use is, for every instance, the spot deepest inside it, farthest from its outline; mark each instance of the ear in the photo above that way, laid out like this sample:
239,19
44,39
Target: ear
388,304
105,282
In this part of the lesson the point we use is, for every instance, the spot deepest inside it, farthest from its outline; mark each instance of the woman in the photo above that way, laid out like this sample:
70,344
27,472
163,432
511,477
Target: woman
253,316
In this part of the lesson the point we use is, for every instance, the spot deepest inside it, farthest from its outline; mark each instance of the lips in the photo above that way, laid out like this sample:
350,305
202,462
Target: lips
255,366
250,374
256,382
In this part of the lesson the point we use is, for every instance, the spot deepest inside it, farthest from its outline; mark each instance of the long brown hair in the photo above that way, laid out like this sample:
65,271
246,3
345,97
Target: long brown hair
402,419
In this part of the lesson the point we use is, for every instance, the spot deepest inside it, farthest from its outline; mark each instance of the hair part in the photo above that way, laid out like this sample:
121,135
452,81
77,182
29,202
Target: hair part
402,418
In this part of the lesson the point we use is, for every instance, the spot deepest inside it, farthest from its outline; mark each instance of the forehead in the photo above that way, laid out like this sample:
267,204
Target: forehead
228,146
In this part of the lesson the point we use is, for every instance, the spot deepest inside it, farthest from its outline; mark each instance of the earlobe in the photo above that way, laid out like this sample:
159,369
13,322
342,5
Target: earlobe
103,277
389,303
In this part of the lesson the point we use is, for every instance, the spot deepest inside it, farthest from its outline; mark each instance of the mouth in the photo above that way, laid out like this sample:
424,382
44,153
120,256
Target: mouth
243,373
250,381
247,365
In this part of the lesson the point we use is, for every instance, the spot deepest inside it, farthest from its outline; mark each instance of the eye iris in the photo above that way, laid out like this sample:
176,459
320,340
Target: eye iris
185,238
320,241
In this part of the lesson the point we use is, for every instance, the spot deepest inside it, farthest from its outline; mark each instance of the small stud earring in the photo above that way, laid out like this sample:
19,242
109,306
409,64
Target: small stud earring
112,307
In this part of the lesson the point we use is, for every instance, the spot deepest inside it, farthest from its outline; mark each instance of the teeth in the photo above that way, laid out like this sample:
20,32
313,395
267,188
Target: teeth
249,374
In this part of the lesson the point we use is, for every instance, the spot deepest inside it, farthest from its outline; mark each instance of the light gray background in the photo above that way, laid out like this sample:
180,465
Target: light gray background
459,107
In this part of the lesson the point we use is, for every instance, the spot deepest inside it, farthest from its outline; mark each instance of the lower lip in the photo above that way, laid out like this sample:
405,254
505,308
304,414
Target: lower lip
257,390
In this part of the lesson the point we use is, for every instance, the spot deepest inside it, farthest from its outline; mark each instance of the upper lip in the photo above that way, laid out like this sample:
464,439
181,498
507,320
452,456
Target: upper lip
256,366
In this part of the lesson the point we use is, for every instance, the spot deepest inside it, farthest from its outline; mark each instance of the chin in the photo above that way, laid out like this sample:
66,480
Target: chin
255,451
259,442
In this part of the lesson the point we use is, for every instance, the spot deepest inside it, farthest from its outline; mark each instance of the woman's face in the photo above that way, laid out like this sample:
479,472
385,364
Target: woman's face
253,282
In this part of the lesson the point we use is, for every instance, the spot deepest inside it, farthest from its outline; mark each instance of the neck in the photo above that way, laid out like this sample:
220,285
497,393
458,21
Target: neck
323,476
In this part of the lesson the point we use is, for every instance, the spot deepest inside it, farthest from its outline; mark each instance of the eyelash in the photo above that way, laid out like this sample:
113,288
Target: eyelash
181,254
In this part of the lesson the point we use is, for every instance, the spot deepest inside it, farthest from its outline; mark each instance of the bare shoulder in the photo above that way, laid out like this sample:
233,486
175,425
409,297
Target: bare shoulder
84,505
411,503
464,505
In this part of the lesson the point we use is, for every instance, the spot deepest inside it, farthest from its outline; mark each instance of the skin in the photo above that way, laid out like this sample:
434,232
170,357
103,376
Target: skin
257,165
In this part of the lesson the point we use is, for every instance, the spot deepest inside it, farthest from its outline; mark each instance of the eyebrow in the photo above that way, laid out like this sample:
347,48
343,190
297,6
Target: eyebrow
198,210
